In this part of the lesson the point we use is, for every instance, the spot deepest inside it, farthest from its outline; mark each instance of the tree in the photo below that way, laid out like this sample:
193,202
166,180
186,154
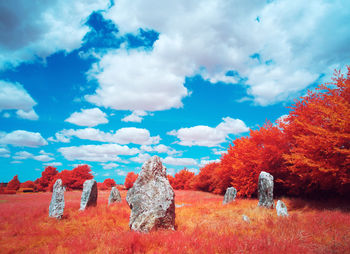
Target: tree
14,184
109,183
182,180
80,174
130,179
318,128
46,177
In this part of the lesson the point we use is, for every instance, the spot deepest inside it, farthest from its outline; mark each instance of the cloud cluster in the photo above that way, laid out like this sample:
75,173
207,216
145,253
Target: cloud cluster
99,153
180,161
42,31
88,117
202,135
22,138
4,152
23,155
136,116
278,47
14,96
122,136
160,149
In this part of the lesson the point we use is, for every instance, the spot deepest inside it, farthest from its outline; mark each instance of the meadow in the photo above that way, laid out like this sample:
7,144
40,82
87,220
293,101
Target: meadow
204,225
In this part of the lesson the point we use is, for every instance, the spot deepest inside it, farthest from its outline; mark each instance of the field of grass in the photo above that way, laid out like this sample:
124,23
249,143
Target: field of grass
204,225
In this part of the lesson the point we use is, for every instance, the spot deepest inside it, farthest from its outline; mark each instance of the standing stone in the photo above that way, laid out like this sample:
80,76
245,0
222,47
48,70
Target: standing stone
89,195
151,199
114,196
57,201
281,209
230,195
245,218
265,190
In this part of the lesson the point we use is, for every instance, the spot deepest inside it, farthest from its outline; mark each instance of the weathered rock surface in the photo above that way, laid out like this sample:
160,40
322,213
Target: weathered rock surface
245,218
151,199
114,196
57,200
230,195
281,208
89,195
265,190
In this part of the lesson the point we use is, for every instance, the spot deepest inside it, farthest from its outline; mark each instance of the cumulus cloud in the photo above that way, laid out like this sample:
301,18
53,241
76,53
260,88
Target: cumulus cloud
279,49
202,135
88,117
136,116
160,149
205,162
14,96
122,136
141,158
53,164
23,155
4,152
27,35
109,165
22,138
180,161
98,153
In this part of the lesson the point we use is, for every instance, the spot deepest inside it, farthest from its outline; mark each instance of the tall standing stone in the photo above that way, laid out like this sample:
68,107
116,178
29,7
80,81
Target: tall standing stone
265,190
151,199
57,200
89,195
230,195
114,196
281,209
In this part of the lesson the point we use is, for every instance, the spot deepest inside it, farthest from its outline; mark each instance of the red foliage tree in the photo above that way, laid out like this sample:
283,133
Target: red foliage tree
204,180
109,183
28,184
318,128
47,176
130,179
14,184
182,180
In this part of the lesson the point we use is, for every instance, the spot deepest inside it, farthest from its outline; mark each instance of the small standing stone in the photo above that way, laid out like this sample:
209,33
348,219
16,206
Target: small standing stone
114,196
89,195
245,218
265,190
151,199
281,209
57,201
230,195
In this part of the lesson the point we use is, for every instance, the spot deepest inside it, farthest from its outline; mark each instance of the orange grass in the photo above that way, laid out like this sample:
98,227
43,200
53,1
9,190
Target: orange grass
204,225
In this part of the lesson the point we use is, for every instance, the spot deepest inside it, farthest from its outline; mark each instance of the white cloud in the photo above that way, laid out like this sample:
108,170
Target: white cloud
193,170
43,30
14,96
205,162
99,153
109,165
213,37
160,149
218,152
4,152
53,164
22,138
121,172
122,136
23,155
202,135
180,161
143,81
88,117
136,116
141,158
6,115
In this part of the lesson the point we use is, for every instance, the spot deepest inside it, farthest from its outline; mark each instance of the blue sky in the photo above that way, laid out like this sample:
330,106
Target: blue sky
111,83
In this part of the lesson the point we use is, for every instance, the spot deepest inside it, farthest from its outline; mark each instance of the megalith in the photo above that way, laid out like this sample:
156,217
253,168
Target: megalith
281,209
57,200
114,196
89,195
265,190
151,199
230,195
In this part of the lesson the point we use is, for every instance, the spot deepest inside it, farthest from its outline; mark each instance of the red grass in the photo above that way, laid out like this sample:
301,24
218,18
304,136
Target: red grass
204,225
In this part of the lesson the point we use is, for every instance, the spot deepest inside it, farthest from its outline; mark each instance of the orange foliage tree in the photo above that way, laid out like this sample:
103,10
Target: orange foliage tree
130,179
318,128
47,176
182,180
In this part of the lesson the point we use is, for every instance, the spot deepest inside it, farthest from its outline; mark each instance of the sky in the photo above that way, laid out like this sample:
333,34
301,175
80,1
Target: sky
112,83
